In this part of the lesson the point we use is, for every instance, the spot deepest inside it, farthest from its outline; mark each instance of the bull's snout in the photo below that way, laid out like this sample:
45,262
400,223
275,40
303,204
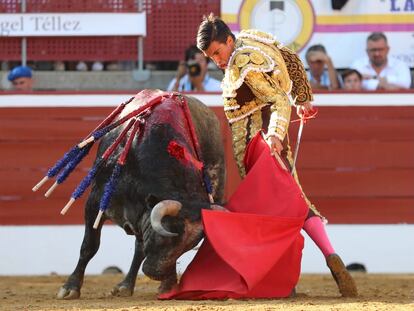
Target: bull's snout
158,269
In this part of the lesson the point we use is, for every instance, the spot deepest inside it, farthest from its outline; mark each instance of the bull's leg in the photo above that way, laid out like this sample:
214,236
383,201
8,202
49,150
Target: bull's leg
158,269
90,245
126,287
168,283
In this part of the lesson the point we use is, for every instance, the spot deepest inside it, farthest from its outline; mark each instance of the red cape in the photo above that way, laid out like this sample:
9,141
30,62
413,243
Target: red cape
255,250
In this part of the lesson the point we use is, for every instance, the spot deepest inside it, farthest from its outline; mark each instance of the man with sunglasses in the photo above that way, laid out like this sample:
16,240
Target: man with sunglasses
21,78
379,71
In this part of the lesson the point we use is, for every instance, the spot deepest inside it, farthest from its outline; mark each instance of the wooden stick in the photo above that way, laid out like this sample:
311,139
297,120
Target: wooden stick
210,197
67,206
40,183
51,189
280,161
277,156
98,219
86,141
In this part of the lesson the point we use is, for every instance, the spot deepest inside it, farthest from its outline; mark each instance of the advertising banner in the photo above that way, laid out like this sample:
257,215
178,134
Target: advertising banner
302,23
72,24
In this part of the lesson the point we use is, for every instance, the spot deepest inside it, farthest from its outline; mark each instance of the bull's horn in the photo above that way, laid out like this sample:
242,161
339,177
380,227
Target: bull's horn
164,208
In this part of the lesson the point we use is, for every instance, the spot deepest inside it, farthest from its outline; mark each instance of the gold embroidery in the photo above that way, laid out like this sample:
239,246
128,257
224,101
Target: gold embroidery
256,58
256,123
230,104
241,60
235,73
243,111
241,65
301,86
239,133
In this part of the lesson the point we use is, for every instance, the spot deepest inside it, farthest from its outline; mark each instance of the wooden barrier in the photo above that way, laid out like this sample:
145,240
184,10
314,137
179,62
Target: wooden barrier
356,163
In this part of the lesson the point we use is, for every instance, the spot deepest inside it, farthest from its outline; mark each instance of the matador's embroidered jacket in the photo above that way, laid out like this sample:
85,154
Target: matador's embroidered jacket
262,81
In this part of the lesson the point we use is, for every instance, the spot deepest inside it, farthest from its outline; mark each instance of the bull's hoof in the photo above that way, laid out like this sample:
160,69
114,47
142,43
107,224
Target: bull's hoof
65,293
122,291
343,279
167,284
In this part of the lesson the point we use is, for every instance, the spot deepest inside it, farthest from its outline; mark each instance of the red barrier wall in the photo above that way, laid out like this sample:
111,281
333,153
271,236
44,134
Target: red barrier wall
355,163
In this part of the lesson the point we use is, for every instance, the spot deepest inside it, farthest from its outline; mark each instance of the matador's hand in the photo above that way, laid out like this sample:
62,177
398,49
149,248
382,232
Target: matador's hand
216,207
305,110
275,144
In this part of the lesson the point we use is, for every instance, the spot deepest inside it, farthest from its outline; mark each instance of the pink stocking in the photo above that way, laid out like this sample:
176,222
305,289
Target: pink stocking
315,228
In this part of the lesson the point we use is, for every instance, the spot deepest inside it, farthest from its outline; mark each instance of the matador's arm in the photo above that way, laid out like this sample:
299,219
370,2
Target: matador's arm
269,91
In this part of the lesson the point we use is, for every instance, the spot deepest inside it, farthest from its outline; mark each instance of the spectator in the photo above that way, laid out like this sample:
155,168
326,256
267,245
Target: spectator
113,66
378,71
21,78
192,74
59,66
81,66
322,73
352,80
97,66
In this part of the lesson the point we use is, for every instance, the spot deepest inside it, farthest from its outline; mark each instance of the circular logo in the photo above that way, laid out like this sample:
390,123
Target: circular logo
290,21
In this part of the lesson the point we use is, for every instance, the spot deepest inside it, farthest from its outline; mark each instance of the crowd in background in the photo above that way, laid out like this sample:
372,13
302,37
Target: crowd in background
375,71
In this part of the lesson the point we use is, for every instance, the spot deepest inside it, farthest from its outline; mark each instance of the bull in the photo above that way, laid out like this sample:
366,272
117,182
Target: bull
158,198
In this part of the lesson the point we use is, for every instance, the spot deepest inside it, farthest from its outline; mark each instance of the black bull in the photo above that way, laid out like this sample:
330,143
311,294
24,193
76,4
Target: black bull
150,176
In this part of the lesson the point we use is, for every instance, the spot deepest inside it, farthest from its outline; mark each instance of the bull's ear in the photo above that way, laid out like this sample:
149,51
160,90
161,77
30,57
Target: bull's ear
151,200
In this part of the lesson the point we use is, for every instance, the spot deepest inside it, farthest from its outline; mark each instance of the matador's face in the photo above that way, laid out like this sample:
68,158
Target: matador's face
220,52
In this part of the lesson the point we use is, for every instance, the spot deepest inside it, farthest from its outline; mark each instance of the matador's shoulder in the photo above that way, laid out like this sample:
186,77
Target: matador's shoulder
301,87
248,56
258,36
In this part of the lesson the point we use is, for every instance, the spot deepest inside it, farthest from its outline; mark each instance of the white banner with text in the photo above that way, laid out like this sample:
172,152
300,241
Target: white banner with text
72,24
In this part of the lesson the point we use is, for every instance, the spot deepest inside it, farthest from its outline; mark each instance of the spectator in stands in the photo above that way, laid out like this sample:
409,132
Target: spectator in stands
322,73
380,72
97,66
59,66
81,66
113,66
21,78
352,80
192,74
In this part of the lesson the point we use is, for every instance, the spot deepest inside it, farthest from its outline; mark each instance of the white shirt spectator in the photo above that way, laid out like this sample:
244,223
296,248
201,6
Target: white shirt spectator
325,81
396,72
210,84
81,66
97,66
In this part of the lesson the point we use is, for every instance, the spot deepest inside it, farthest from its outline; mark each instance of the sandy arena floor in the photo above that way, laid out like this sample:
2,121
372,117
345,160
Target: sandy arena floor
315,292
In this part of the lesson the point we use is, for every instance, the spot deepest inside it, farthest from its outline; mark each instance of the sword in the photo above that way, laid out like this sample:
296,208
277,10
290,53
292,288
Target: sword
295,155
277,157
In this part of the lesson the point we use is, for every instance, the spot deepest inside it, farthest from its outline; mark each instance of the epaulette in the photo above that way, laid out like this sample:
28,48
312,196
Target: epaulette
259,36
301,88
243,60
